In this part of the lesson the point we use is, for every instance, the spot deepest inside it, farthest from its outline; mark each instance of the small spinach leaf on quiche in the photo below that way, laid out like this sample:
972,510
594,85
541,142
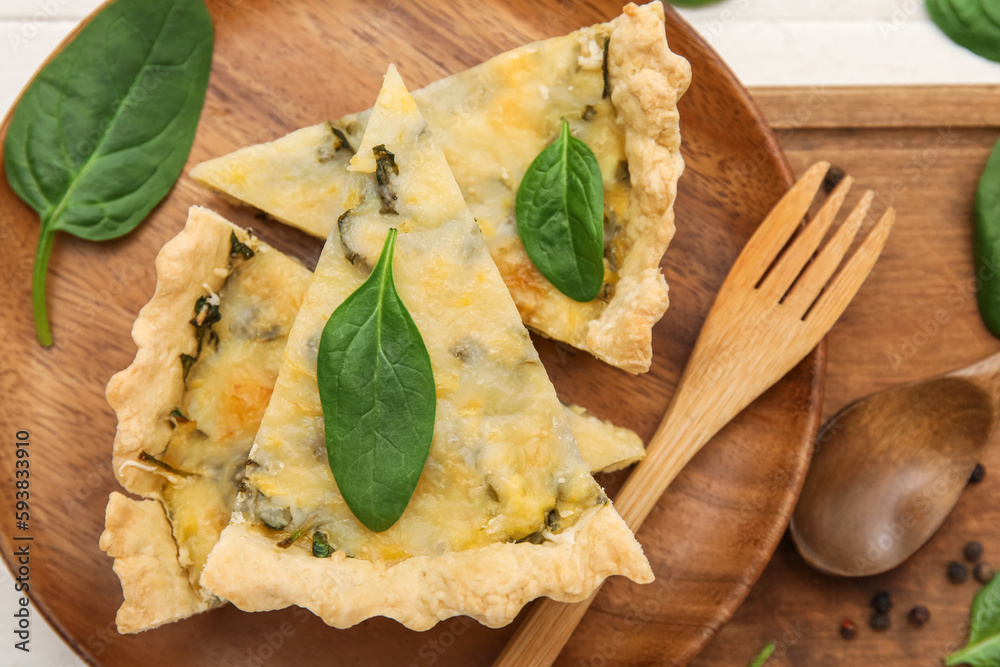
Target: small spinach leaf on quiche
560,216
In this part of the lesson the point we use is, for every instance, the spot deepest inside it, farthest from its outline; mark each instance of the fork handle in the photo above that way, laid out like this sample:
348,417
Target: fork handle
549,624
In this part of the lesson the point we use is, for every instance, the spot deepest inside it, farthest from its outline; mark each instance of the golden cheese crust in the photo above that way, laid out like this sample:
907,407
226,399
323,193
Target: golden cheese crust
491,121
156,587
143,394
137,534
153,563
646,80
491,584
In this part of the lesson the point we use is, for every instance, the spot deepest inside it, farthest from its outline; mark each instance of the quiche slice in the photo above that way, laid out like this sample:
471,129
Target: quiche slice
210,343
505,510
204,426
616,83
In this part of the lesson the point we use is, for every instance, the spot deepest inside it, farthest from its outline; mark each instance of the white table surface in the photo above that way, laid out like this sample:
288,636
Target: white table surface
767,43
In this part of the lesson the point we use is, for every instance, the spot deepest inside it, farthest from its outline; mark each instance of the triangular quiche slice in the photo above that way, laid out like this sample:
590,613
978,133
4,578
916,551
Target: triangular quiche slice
505,509
616,83
185,432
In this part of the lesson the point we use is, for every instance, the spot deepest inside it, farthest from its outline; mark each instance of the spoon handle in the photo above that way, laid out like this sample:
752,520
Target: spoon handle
986,374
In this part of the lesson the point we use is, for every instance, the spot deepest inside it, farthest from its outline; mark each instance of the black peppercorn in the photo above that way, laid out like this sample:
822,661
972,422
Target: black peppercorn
880,621
919,616
847,629
984,573
957,573
973,552
882,602
834,176
978,474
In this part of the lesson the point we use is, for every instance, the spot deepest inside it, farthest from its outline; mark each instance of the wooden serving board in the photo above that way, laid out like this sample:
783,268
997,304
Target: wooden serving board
923,151
280,65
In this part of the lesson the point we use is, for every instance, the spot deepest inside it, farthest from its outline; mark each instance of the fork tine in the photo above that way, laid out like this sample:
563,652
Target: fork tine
840,292
779,225
790,265
817,274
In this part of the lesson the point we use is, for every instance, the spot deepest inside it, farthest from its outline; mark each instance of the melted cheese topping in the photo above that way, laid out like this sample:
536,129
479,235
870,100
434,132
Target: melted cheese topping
503,464
228,388
491,121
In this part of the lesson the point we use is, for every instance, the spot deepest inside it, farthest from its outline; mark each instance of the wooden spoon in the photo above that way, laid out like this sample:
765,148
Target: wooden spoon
889,468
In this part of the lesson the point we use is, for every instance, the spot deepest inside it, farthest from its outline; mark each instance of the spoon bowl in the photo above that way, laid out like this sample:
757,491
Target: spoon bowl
889,468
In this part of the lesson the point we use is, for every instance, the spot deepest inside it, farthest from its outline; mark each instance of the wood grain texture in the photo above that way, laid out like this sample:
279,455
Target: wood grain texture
282,65
916,317
828,107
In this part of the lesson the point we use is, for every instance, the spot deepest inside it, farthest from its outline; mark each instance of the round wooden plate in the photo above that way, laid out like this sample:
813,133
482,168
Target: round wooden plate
282,65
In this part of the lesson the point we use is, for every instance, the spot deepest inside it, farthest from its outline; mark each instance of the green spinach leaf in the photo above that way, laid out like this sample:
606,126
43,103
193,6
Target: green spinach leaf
239,249
321,546
291,539
149,458
974,24
560,216
206,315
986,243
984,640
385,169
377,389
101,134
763,656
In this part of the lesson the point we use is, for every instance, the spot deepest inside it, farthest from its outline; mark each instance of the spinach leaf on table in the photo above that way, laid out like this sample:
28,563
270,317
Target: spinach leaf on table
984,640
764,656
102,132
974,24
986,243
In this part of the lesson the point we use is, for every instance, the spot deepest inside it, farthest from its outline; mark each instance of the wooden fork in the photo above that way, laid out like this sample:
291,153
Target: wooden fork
762,324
